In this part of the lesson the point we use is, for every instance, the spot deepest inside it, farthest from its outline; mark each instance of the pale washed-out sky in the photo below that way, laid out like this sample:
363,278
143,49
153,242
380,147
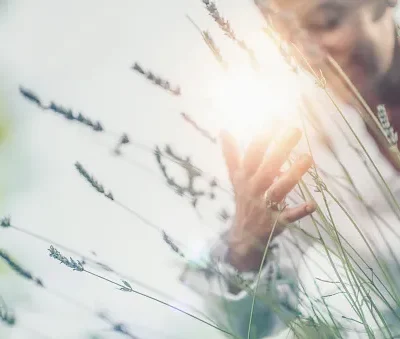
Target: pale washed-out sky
79,54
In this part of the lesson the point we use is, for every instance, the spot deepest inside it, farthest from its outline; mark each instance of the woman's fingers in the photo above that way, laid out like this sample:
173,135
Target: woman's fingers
278,190
293,214
255,153
231,153
272,163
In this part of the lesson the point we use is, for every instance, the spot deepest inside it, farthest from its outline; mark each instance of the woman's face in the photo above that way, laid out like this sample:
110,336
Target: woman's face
358,34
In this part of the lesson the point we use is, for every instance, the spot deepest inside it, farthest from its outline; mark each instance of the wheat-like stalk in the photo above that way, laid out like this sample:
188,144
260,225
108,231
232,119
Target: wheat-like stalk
390,134
361,283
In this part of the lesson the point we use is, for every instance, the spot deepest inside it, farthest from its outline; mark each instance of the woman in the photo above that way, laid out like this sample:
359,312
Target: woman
332,253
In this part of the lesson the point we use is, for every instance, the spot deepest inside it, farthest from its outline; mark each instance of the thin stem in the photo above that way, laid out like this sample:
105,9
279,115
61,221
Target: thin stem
259,273
99,263
158,301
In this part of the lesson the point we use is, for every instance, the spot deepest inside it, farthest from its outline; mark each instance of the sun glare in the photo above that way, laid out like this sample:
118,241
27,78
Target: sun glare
246,102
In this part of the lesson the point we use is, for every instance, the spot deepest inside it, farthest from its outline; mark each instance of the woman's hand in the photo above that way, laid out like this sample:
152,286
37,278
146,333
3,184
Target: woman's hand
260,188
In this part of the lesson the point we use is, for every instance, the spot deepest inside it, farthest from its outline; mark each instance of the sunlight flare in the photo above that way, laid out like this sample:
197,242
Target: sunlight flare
247,103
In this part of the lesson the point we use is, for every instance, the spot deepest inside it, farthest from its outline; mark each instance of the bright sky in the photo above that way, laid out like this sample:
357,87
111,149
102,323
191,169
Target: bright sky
79,54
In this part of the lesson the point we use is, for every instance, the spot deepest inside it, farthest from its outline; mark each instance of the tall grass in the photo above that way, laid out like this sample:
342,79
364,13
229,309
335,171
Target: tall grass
358,273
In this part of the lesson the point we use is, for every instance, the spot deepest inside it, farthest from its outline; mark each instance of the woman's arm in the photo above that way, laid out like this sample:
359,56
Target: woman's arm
228,293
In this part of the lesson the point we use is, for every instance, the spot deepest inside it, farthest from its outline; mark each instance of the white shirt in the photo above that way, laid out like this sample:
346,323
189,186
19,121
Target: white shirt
300,283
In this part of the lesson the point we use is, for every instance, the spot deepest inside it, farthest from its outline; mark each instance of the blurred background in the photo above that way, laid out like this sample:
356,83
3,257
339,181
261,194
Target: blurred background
79,54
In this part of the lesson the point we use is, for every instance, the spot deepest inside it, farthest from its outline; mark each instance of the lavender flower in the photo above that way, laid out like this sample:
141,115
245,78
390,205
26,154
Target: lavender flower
19,269
5,315
157,80
172,245
75,265
222,23
68,114
65,112
210,43
390,134
193,173
225,26
201,130
117,327
29,95
5,222
124,140
95,184
214,49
